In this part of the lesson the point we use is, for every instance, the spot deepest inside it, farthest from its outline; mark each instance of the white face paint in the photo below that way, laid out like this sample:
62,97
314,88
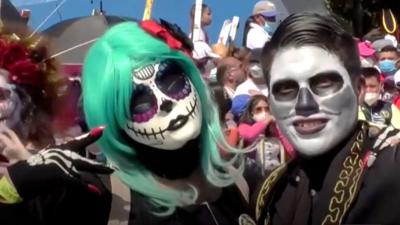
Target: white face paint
10,103
312,98
165,107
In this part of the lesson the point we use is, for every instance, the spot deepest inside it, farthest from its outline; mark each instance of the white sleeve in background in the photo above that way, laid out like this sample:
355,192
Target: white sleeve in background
256,38
202,36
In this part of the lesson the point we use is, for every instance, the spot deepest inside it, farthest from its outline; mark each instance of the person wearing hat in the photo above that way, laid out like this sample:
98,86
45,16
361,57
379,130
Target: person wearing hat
260,25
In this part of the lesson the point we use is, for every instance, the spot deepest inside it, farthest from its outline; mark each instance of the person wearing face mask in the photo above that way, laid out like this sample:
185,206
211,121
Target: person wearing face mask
388,58
253,85
260,25
372,108
377,112
230,74
256,120
340,175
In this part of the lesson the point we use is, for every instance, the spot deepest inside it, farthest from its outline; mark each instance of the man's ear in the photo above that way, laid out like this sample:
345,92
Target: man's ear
361,90
381,87
398,63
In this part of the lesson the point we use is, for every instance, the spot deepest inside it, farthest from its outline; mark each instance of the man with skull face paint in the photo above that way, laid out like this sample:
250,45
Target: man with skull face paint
312,68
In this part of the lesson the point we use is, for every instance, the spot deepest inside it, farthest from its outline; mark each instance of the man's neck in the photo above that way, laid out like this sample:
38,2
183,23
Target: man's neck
373,105
316,168
230,85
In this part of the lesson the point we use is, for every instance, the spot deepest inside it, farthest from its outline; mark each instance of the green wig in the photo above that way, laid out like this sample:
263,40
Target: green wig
107,92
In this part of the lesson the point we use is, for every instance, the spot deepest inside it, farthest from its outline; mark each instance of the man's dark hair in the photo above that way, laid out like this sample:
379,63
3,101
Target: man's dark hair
312,29
193,9
389,48
370,72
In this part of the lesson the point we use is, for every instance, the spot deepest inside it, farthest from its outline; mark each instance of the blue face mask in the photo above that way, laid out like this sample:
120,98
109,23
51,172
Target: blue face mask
387,66
270,27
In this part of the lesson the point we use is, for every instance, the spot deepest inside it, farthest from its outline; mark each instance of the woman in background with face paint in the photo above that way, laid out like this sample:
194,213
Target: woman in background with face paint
32,186
29,89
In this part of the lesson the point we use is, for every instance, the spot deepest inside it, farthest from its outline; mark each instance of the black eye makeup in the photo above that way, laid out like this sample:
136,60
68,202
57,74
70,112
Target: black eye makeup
143,104
326,83
285,90
172,80
4,94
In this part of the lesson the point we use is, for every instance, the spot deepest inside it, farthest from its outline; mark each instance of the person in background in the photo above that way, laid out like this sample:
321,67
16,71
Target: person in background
254,84
226,118
260,25
375,111
30,90
206,19
230,74
388,57
256,122
339,171
396,94
206,60
367,53
242,53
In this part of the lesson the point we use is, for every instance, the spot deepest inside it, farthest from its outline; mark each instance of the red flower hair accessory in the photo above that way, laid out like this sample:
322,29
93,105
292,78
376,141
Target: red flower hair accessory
170,34
23,61
29,66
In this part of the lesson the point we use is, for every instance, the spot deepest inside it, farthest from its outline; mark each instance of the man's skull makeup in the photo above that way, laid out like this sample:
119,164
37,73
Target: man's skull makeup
312,98
10,103
165,107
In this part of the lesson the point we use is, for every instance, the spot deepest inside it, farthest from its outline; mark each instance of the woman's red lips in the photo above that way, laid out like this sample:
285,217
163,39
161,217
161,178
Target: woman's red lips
309,126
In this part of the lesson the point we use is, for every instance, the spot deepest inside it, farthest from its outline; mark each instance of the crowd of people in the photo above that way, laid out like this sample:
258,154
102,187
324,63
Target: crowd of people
300,125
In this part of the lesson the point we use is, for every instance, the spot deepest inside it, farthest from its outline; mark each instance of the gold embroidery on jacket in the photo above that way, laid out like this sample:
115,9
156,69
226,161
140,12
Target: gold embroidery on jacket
346,187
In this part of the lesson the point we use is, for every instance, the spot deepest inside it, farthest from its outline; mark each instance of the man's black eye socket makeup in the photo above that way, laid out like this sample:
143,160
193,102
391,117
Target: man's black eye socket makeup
285,90
326,83
171,80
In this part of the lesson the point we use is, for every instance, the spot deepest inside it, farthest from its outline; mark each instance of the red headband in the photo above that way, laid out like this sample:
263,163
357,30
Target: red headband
170,34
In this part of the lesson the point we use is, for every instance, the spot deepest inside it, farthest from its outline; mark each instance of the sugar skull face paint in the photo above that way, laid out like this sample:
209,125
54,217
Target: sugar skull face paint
312,98
165,107
10,103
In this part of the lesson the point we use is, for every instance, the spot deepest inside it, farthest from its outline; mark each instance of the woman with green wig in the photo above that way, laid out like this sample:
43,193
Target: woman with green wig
162,131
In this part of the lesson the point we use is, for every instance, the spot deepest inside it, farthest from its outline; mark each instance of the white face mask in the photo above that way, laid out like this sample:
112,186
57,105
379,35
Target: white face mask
371,98
312,98
165,107
260,116
256,71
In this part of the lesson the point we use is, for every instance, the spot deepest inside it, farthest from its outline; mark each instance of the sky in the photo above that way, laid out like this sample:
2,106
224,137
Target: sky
176,11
